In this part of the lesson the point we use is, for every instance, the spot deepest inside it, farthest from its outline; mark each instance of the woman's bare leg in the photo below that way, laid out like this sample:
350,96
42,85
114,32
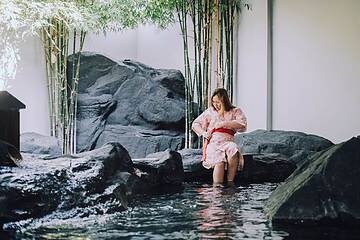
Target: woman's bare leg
232,167
241,162
218,173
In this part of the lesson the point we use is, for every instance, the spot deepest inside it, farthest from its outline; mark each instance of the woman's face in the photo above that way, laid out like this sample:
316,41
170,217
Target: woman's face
217,103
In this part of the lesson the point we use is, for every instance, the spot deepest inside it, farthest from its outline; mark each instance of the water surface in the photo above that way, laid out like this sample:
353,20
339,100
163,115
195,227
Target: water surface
199,211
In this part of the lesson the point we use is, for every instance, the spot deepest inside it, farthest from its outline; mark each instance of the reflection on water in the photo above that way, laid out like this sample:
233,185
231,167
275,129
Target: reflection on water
225,212
200,211
216,220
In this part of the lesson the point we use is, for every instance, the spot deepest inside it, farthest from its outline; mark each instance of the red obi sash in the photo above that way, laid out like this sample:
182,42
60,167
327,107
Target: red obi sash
222,130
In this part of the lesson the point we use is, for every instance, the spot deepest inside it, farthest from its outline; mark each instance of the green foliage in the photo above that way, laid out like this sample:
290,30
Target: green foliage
20,18
161,12
115,15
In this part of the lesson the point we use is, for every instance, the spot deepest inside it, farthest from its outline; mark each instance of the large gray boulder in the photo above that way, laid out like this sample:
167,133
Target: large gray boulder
325,189
128,93
288,145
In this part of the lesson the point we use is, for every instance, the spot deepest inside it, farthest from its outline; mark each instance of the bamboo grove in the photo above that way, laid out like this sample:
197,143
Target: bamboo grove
211,32
62,90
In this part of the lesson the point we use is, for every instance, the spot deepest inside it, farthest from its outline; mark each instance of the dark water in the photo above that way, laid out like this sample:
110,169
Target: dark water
199,211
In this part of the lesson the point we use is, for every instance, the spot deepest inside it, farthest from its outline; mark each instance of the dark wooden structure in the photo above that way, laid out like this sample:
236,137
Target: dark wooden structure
10,118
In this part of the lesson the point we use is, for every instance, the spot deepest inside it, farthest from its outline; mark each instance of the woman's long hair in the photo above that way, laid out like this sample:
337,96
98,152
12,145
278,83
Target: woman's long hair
223,95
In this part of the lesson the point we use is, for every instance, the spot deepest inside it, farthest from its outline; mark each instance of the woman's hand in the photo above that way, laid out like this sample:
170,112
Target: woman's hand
207,135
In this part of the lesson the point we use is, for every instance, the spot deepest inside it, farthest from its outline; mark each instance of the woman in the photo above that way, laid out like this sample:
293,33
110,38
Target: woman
218,125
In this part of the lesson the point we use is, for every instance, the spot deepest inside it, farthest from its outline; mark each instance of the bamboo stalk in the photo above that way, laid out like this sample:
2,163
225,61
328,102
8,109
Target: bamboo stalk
224,46
44,40
205,54
221,44
231,57
210,46
217,42
193,17
181,9
199,59
75,81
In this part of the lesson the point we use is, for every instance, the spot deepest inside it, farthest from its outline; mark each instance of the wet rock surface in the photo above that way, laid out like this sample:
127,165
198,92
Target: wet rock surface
325,189
161,168
41,185
106,176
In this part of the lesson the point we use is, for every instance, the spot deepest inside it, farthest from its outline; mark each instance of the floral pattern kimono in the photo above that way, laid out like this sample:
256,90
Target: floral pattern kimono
221,146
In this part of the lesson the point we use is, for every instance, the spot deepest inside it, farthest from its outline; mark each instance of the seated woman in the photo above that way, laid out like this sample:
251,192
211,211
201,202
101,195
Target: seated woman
218,125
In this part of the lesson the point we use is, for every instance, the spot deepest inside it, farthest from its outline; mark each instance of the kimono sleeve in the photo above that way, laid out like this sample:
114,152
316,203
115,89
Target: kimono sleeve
201,123
240,118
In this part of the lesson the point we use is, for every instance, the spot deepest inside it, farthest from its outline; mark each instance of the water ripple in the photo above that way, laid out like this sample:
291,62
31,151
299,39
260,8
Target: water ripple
200,211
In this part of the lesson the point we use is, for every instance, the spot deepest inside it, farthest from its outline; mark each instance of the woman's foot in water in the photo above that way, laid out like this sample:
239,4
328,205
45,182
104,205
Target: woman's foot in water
230,183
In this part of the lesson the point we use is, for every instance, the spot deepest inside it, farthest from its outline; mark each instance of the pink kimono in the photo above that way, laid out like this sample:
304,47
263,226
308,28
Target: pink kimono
221,146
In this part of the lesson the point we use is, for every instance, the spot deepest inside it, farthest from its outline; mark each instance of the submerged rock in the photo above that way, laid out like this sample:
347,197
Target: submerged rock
323,190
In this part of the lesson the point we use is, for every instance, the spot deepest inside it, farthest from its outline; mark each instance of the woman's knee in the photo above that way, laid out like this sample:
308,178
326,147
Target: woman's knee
232,150
234,157
233,145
